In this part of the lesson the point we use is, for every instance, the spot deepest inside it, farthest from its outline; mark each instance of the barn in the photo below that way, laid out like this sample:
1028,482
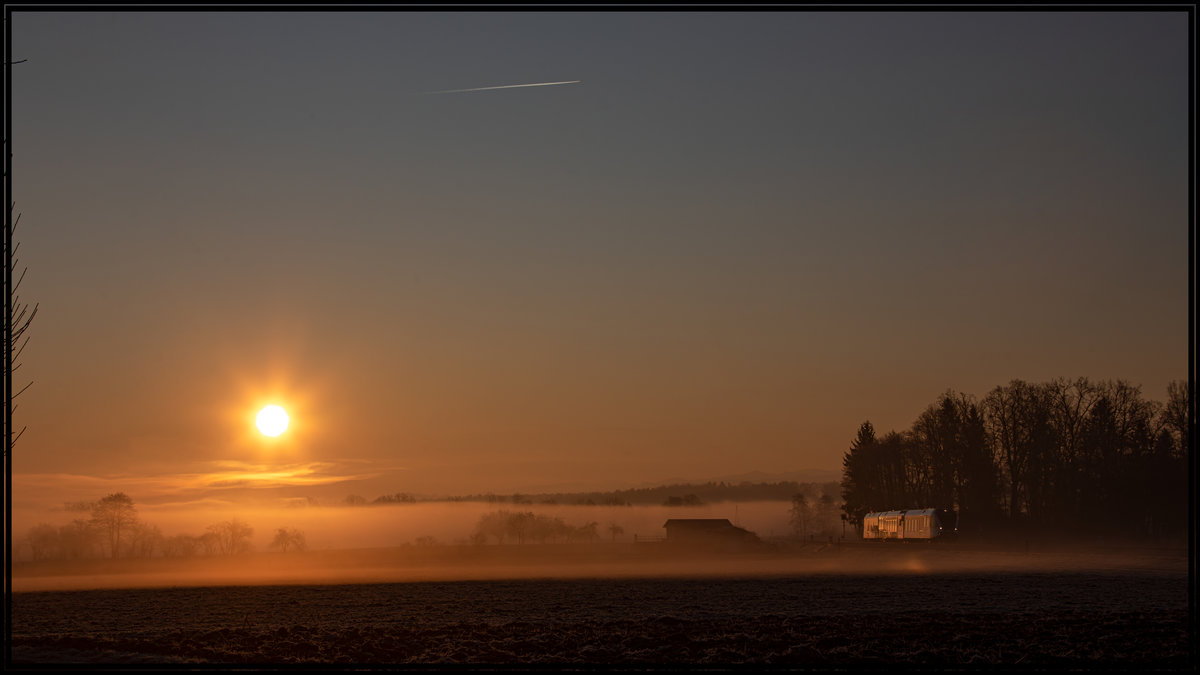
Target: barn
707,531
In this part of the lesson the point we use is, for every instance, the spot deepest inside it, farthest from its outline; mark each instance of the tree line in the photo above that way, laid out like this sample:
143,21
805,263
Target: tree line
1091,457
694,494
114,530
525,527
684,494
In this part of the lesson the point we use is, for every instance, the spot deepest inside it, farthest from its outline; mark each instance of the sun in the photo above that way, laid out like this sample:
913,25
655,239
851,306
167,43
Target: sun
272,420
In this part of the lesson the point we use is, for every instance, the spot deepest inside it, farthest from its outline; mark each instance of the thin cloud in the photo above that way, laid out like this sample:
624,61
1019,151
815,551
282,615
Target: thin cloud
504,86
52,490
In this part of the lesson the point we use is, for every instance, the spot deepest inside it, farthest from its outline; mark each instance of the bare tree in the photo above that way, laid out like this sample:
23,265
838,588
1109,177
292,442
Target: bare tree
825,516
588,532
180,546
520,525
77,539
398,498
17,315
288,539
232,536
209,542
615,530
800,514
113,515
144,540
526,526
1177,416
1021,430
950,438
43,542
494,524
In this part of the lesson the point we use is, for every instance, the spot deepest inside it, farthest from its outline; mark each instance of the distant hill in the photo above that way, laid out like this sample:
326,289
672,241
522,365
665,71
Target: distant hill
679,493
799,476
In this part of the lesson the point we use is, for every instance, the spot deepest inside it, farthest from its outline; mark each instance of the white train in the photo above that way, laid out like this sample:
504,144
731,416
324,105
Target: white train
913,525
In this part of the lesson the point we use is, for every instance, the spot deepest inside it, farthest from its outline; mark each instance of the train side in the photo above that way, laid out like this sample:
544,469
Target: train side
911,525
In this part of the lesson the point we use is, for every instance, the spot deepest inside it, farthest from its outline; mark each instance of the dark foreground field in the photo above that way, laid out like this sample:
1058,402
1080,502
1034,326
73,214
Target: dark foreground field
892,606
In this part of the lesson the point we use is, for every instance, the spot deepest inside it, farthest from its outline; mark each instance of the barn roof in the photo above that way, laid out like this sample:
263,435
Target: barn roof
698,522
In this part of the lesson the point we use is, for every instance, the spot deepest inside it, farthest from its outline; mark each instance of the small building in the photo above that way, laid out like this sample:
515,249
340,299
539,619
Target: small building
707,531
923,524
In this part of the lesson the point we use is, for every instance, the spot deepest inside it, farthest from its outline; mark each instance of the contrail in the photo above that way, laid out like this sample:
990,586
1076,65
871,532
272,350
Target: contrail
506,86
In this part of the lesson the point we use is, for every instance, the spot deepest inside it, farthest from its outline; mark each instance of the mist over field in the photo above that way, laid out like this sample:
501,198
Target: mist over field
341,527
408,564
373,542
442,541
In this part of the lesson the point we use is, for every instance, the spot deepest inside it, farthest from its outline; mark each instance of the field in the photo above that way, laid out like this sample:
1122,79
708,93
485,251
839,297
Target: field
814,606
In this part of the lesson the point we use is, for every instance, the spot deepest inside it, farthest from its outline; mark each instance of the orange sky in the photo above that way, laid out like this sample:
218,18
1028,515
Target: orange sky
737,237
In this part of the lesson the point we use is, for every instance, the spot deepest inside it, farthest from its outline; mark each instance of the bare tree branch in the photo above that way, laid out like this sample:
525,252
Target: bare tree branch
18,316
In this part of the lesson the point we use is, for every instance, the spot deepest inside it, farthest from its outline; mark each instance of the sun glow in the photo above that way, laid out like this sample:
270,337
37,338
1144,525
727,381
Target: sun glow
272,420
256,388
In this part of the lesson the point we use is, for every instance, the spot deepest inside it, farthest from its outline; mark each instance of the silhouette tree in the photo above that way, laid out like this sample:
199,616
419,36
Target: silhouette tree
180,546
859,482
210,541
1167,466
934,446
1177,417
825,515
891,456
17,315
615,530
526,526
77,539
949,437
520,525
1121,434
799,515
494,524
43,542
1043,455
232,536
113,515
1019,427
398,498
144,539
1071,402
589,532
540,528
978,486
288,539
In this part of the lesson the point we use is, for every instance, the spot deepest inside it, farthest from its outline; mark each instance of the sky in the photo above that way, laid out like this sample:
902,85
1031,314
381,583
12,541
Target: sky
728,240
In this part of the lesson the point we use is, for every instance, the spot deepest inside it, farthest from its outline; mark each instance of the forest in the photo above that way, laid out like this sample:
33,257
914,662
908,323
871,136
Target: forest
1074,455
